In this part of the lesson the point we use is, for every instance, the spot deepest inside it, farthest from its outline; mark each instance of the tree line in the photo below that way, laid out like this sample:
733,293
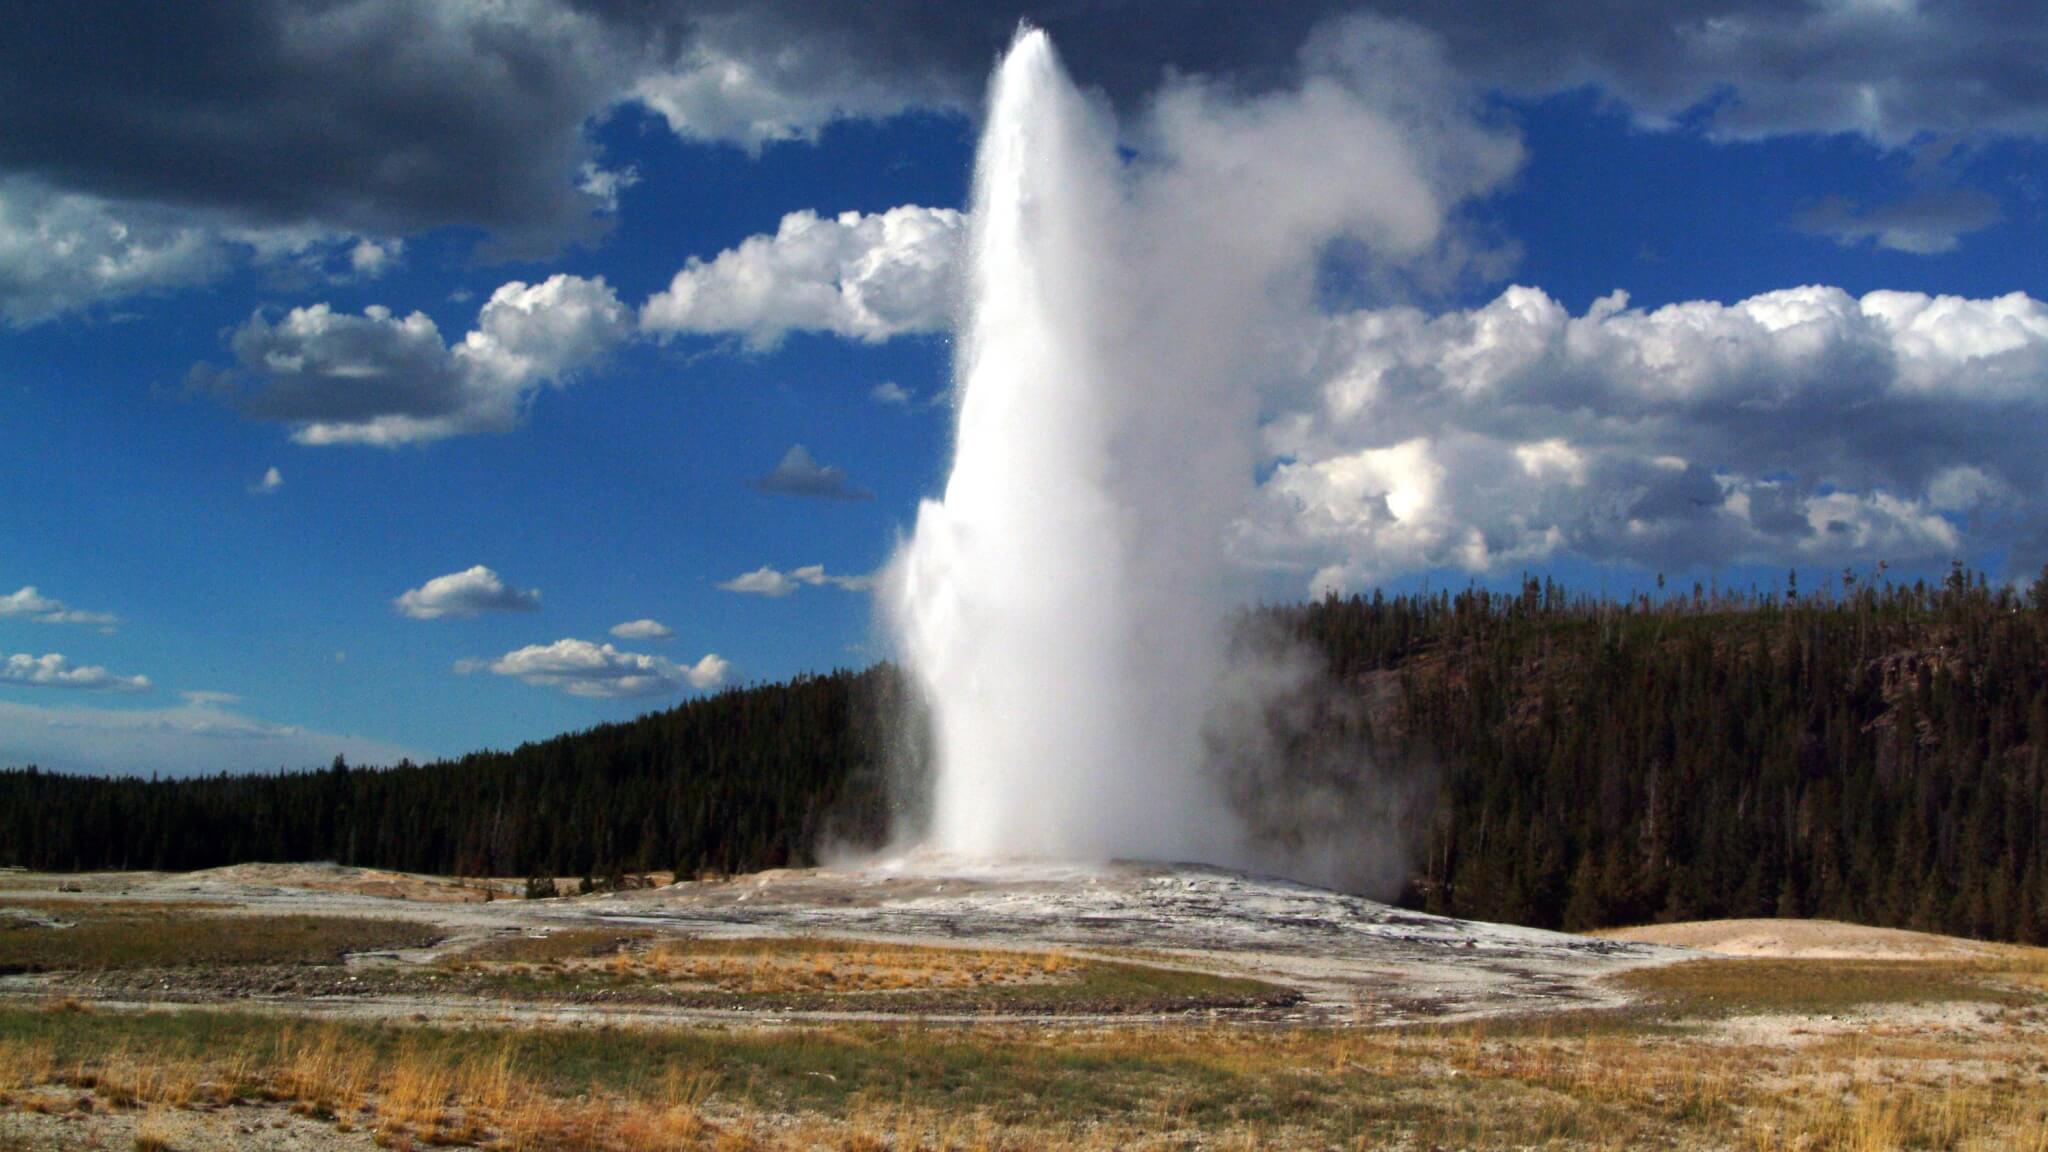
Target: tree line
1869,751
747,779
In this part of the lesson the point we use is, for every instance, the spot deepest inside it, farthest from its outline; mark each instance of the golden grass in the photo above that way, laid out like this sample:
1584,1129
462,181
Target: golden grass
155,1134
777,967
1682,1076
769,966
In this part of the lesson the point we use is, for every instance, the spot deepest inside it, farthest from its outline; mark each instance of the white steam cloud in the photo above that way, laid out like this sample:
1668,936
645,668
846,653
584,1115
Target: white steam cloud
1064,606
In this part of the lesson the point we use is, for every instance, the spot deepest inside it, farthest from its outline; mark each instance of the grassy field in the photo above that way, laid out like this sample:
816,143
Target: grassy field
1677,1072
1720,988
57,936
820,974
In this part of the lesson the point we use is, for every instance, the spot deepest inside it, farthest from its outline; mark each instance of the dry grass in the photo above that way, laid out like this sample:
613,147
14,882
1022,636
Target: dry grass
155,1134
769,966
775,967
813,973
1679,1075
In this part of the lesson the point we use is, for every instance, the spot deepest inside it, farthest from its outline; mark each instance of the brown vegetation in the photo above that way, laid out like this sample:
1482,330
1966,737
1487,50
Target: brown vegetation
1726,1053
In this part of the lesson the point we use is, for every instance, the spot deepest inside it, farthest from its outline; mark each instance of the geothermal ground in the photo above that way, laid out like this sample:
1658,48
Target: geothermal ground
1276,952
944,1006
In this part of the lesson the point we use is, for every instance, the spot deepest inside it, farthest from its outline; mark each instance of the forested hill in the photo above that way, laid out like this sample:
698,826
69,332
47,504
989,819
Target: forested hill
1872,754
1875,755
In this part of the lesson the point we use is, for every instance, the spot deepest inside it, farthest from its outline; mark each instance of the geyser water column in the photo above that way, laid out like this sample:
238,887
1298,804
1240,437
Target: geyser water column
1063,606
1064,654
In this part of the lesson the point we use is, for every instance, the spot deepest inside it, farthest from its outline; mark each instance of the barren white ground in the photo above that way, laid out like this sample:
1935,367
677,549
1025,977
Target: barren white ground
1354,960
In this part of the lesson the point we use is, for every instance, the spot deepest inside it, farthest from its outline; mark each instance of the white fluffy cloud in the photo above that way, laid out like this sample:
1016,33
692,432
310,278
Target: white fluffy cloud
387,380
605,184
643,630
866,277
65,252
1799,426
373,258
463,594
27,603
582,668
54,671
271,481
775,583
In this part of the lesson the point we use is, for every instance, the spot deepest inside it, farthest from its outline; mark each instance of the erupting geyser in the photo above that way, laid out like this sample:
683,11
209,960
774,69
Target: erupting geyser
1056,615
1062,608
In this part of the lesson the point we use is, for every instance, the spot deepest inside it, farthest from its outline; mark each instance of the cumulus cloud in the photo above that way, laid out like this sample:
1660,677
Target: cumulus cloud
891,393
62,252
470,592
54,671
582,668
777,69
271,481
1804,425
1924,225
643,630
386,380
725,88
797,474
605,184
373,258
774,583
27,603
384,117
866,277
169,132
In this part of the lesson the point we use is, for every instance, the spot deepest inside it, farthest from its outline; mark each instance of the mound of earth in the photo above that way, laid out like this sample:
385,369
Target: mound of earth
1805,940
239,880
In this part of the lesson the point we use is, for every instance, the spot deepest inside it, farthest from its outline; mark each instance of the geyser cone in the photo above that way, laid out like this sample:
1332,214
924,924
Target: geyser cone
1064,675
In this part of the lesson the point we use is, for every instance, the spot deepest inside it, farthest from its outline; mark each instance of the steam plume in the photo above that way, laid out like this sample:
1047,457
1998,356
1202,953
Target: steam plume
1063,607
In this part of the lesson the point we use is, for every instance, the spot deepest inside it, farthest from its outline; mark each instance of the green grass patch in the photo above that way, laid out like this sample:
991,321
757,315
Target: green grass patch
1721,987
100,939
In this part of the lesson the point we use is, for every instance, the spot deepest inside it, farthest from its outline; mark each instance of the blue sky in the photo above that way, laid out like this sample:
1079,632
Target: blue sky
624,459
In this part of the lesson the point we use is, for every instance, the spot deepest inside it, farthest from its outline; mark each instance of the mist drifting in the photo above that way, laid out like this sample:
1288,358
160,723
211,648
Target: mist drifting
1064,607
